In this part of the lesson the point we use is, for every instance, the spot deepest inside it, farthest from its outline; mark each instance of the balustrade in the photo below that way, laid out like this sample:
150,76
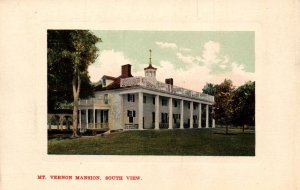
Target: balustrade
131,126
152,84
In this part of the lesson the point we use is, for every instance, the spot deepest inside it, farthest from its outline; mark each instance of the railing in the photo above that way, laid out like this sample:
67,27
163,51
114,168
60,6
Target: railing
163,125
152,84
85,126
131,126
93,101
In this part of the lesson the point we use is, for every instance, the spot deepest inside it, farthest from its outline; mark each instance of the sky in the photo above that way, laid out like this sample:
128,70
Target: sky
191,58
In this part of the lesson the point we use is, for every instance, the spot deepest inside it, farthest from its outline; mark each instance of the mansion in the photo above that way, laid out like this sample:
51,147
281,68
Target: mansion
129,102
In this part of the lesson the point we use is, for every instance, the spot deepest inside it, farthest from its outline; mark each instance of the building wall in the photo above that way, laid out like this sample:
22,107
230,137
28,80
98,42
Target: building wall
120,105
132,106
115,113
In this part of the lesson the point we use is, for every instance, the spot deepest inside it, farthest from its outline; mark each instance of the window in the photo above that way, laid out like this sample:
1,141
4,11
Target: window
176,117
195,107
164,117
195,118
153,117
188,106
145,99
153,99
130,97
164,102
131,115
105,98
175,103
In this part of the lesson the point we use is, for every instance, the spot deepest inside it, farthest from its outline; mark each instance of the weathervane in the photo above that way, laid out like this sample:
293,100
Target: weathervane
150,55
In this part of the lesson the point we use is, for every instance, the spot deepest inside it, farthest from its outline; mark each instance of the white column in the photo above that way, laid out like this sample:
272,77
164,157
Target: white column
79,119
141,110
87,118
170,113
94,118
181,114
213,123
157,112
206,123
191,114
199,116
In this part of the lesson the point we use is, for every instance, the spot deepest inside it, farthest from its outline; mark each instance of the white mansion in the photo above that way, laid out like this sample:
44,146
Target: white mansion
128,102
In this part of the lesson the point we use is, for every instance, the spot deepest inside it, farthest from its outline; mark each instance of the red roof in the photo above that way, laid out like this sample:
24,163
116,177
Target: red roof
113,85
150,67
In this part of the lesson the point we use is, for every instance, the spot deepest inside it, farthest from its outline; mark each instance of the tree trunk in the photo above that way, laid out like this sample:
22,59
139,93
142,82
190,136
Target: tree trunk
75,117
75,108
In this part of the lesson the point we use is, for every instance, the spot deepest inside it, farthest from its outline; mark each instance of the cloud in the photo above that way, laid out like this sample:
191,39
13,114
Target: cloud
193,77
185,49
185,58
211,52
109,62
165,45
196,76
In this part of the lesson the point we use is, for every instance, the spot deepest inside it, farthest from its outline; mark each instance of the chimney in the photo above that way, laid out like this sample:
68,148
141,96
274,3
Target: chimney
126,71
169,81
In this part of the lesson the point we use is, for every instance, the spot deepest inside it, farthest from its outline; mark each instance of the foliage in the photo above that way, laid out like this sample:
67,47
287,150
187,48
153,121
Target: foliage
209,89
243,104
222,108
68,51
233,106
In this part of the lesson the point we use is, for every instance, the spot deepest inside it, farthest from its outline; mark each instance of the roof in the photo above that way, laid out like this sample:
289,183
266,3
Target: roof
108,77
114,85
150,67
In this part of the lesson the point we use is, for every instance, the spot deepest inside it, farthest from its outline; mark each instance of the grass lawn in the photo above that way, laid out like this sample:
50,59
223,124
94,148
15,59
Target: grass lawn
204,142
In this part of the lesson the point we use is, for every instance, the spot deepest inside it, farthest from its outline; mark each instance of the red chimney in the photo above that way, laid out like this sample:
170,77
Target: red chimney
169,81
126,71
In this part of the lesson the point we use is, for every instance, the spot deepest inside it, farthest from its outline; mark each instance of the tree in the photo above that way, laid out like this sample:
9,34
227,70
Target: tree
209,89
222,109
243,104
69,53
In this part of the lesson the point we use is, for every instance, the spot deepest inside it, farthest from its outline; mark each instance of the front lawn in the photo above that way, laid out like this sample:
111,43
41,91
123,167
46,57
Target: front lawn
202,142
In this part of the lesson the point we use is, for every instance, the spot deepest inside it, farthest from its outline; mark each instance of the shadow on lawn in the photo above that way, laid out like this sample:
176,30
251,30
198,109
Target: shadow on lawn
67,134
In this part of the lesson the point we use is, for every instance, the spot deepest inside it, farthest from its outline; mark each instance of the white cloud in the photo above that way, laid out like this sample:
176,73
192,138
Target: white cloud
185,58
109,62
185,49
196,76
211,53
166,45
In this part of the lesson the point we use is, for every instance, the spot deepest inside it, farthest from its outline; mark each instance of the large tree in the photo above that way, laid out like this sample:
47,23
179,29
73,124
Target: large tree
222,109
243,104
223,100
69,53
